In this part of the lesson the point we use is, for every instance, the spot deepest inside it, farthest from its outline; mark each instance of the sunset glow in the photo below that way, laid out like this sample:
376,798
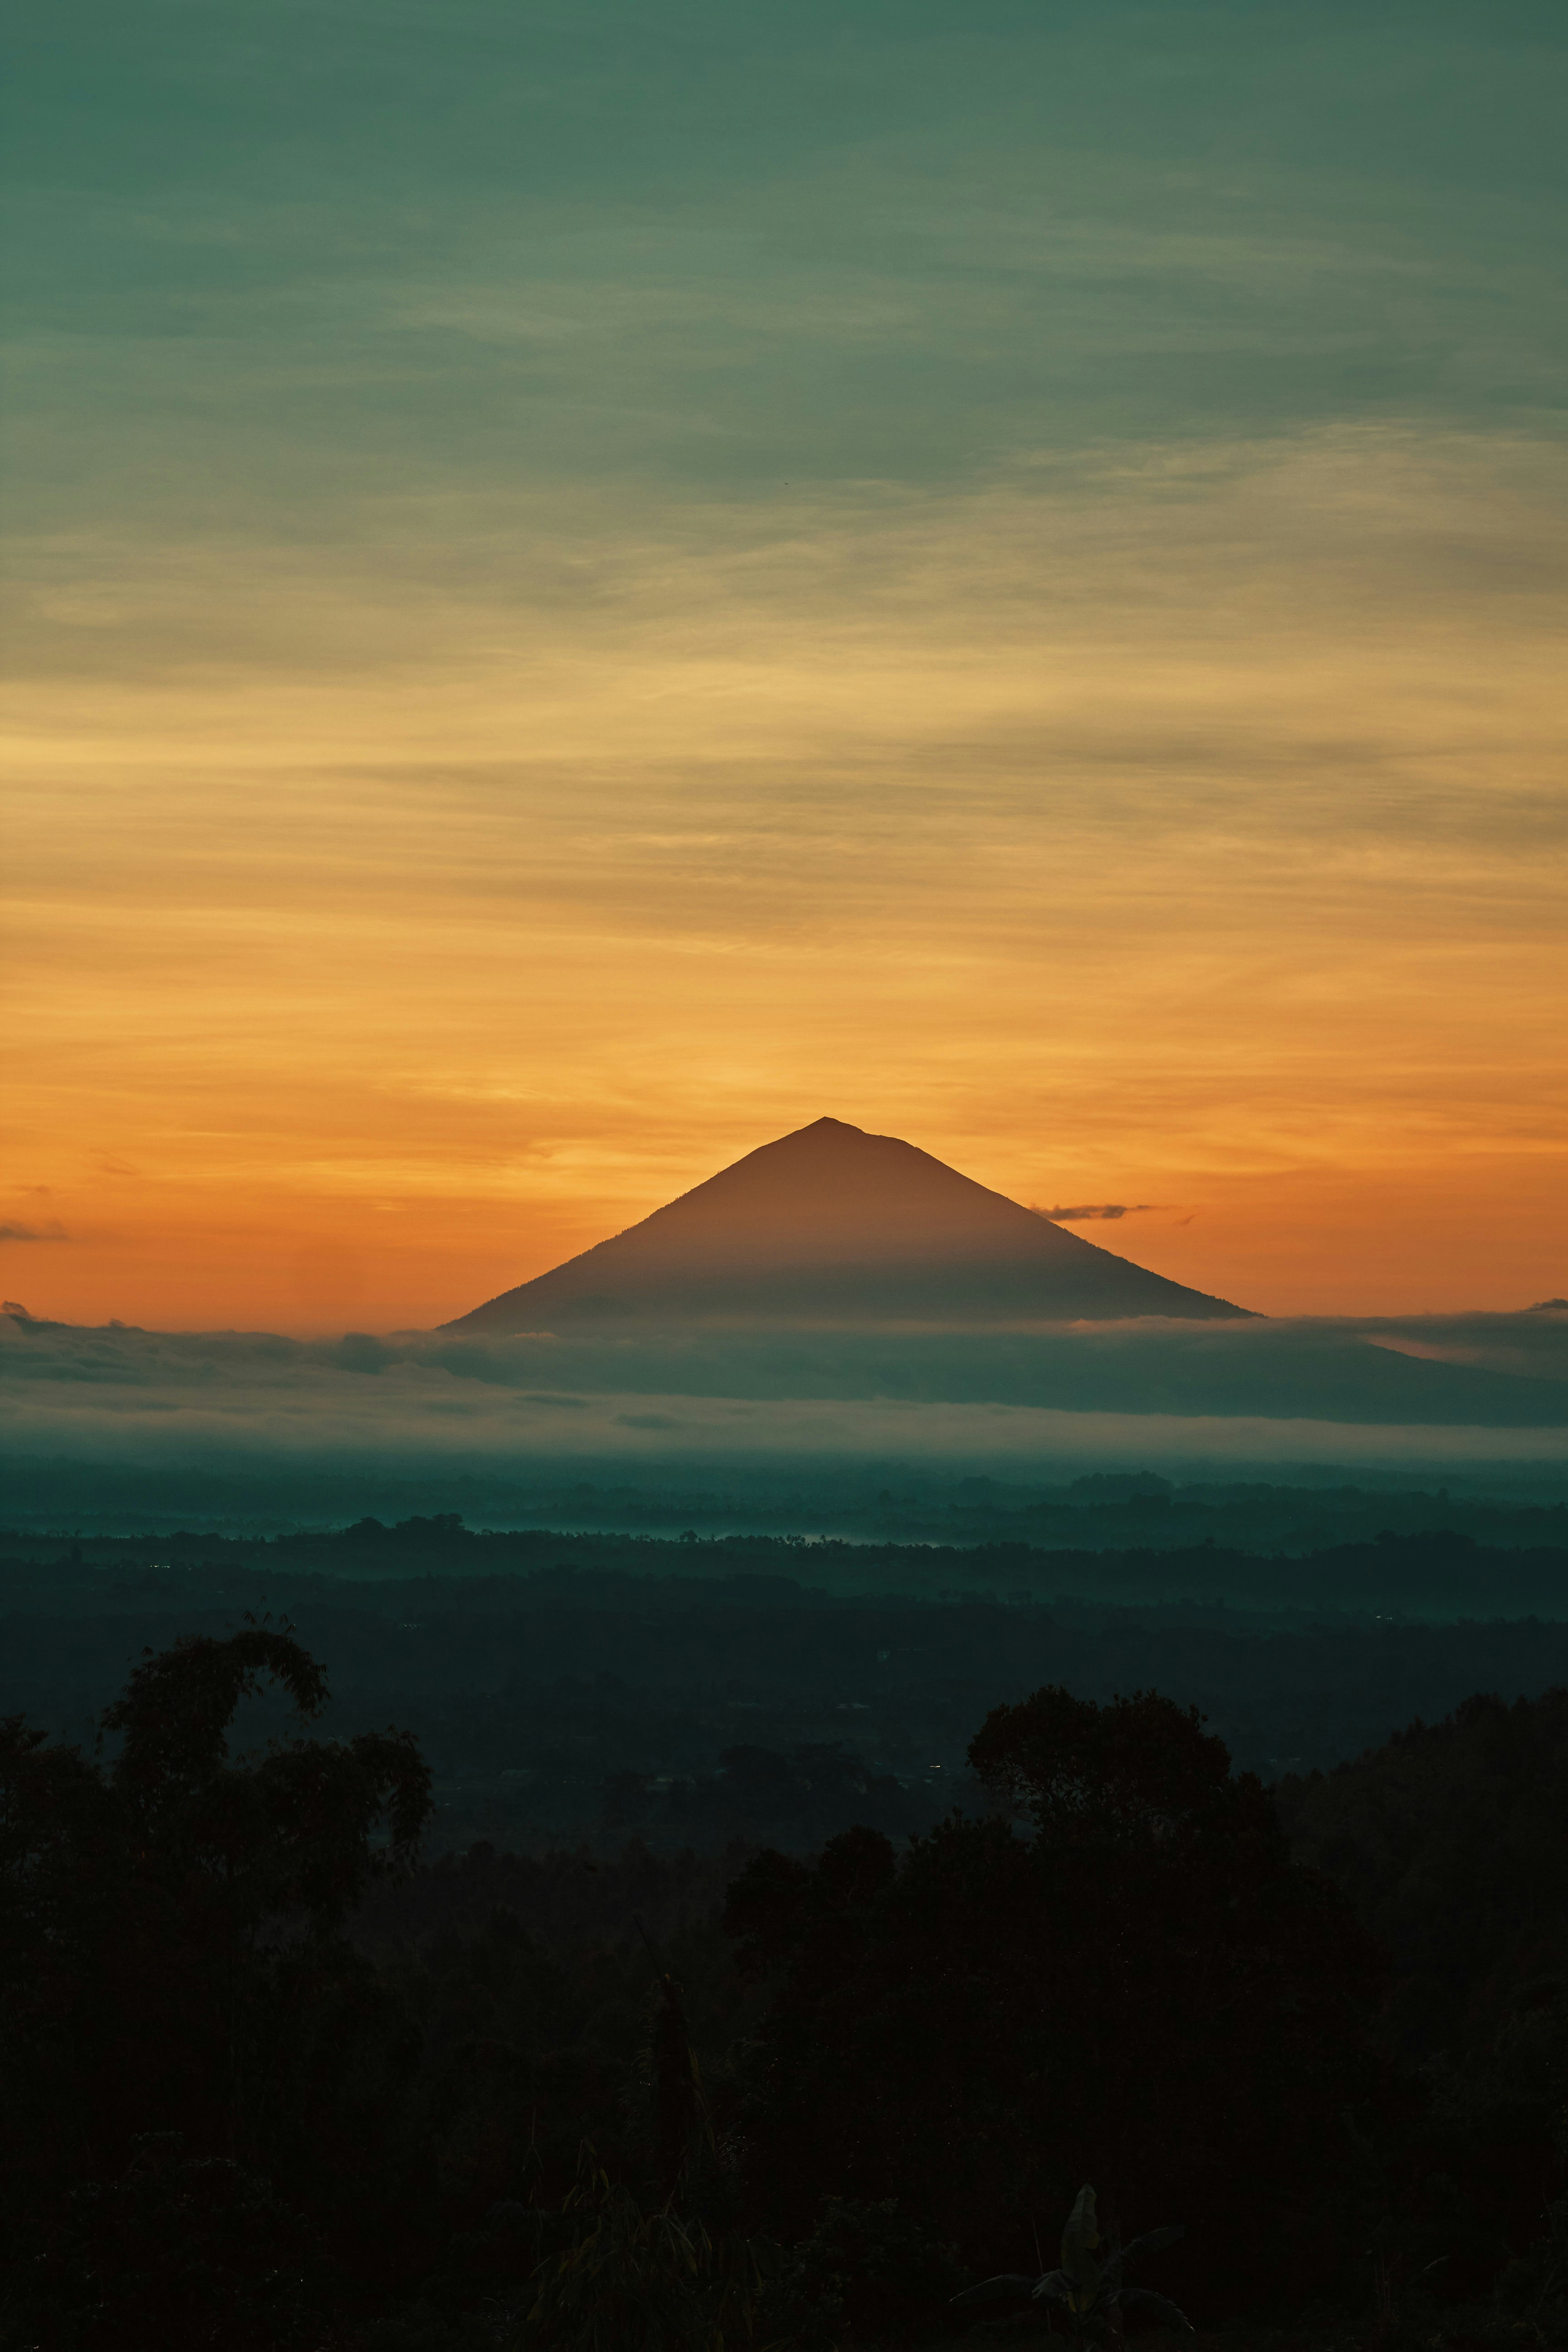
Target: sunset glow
1043,640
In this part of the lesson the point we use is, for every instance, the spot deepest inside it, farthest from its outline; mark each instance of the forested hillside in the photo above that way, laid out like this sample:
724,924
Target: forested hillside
271,2083
385,1952
694,1694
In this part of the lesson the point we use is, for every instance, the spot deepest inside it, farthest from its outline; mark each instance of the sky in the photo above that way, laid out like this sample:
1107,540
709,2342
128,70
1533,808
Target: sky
587,585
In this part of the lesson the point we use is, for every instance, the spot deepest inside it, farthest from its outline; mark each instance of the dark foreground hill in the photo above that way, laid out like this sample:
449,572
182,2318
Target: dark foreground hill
235,2124
831,1224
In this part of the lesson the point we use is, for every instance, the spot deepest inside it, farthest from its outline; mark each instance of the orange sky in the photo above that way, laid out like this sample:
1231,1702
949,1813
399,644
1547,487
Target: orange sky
588,588
1129,843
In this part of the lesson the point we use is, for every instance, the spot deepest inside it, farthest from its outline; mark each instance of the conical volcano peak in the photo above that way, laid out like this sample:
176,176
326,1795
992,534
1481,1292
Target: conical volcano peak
831,1224
835,1190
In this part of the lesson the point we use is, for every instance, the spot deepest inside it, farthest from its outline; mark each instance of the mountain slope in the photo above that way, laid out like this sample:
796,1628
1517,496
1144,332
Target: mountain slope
833,1225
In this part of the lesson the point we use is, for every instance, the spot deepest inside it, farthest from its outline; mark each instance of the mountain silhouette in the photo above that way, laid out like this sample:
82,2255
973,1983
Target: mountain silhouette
833,1225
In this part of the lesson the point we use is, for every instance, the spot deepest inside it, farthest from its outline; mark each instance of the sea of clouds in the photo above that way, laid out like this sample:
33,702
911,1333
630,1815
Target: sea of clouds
92,1419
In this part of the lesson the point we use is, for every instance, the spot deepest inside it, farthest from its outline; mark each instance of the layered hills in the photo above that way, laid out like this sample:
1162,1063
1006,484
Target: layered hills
831,1225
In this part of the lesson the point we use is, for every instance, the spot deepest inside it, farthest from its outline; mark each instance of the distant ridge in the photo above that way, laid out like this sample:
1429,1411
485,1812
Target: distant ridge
831,1225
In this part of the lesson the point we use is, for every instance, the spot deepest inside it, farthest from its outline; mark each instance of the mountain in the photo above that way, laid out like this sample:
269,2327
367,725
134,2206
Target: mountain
833,1225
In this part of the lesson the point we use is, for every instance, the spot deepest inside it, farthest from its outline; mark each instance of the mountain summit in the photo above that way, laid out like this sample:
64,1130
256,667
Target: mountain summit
833,1225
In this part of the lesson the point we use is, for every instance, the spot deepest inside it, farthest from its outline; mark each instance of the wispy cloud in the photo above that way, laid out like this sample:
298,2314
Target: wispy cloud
1102,1209
49,1232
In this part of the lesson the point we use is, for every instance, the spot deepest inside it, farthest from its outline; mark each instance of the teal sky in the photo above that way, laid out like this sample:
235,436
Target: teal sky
271,262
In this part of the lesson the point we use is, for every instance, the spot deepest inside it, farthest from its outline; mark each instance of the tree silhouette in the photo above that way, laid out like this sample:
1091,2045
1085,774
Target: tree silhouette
169,1962
1138,1986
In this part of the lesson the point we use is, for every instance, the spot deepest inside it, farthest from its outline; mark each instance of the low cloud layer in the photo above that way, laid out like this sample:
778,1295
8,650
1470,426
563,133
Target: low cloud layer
183,1423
